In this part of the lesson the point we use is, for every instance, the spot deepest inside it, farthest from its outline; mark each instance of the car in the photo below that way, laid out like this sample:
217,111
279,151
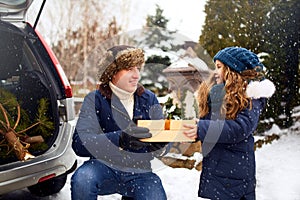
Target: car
30,71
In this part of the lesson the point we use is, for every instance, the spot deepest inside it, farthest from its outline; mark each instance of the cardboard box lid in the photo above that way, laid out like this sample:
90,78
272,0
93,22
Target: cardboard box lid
174,132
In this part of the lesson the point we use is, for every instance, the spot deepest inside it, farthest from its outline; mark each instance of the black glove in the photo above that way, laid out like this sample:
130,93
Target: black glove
154,146
130,138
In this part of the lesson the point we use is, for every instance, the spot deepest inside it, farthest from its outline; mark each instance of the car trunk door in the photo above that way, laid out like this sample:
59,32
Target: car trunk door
14,10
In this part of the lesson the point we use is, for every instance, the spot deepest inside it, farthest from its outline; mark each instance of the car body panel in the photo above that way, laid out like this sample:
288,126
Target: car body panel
58,160
14,10
38,57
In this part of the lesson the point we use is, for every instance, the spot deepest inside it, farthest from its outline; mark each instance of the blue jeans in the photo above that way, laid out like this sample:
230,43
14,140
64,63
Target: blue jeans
94,178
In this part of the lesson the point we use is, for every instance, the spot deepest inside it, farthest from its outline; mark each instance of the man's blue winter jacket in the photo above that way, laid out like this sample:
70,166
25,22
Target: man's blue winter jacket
99,127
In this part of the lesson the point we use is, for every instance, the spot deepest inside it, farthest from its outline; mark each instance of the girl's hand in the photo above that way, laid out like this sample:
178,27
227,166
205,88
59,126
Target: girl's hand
191,131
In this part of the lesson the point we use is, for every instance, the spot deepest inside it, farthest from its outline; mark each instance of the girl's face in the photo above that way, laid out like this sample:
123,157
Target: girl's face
219,72
127,79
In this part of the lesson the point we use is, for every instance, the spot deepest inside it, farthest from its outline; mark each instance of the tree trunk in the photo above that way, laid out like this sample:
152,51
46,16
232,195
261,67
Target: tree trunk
15,143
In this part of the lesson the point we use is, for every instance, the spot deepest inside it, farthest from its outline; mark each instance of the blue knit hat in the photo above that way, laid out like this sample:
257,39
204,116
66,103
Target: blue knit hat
238,59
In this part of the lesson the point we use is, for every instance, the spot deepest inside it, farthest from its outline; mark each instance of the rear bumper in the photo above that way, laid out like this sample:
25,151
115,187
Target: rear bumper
58,160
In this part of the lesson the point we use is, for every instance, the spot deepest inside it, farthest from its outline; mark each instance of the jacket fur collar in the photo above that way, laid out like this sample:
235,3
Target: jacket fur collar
259,89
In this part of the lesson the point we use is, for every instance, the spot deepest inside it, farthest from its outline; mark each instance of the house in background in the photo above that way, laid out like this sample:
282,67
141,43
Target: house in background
184,76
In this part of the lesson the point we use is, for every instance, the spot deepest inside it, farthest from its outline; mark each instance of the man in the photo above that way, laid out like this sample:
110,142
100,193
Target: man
106,132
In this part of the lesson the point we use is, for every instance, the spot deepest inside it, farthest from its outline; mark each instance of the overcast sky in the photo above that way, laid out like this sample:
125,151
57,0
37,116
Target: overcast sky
187,17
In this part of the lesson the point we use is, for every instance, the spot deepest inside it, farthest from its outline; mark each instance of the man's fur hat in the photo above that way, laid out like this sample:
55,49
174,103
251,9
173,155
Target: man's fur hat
118,58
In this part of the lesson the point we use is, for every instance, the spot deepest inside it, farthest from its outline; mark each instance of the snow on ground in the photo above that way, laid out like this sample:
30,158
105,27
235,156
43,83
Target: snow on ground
278,175
278,169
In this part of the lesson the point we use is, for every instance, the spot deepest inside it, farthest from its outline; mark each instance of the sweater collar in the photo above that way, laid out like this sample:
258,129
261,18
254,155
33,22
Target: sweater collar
106,91
121,94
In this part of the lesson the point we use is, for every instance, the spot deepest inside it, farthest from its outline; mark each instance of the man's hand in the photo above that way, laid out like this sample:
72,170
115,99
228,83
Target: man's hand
130,138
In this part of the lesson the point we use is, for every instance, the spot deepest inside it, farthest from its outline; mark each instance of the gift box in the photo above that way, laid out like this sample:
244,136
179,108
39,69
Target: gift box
166,130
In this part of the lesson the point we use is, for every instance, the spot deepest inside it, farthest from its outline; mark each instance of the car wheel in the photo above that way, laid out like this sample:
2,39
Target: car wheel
49,187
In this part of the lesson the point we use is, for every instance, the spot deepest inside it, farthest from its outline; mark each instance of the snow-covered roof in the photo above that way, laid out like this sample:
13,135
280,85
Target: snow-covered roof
187,61
187,64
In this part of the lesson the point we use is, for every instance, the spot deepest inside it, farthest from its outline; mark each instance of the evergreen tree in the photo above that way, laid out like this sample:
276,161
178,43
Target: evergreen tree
269,26
157,35
152,76
19,134
282,35
234,23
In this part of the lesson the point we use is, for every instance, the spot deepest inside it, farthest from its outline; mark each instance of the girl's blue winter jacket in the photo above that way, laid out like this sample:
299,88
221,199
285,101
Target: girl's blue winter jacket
228,150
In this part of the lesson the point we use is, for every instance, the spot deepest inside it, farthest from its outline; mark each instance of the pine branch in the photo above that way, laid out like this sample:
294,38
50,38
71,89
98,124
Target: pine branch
28,128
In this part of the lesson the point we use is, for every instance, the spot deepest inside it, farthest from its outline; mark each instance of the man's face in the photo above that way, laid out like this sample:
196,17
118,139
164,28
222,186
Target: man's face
127,79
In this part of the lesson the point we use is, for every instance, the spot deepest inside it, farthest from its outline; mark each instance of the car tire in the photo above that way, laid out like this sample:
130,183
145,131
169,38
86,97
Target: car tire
49,187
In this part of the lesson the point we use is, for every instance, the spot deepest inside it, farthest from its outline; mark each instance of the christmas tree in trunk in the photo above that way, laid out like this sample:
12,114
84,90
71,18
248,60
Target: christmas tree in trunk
18,133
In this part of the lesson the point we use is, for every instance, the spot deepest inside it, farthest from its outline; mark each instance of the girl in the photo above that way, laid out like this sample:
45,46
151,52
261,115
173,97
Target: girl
230,104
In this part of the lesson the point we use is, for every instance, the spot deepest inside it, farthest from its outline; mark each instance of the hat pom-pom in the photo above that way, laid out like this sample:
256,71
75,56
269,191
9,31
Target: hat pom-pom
258,89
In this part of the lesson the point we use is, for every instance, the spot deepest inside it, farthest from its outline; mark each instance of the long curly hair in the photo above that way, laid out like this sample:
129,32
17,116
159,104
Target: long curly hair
235,85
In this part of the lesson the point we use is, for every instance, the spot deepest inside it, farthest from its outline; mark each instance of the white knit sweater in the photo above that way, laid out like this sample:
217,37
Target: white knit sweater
126,98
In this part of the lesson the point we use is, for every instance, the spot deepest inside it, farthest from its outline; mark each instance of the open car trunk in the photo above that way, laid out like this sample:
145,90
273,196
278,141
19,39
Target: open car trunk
23,78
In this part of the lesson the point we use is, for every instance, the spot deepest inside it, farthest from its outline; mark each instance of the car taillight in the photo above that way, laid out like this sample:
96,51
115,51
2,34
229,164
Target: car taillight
61,73
46,177
63,77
